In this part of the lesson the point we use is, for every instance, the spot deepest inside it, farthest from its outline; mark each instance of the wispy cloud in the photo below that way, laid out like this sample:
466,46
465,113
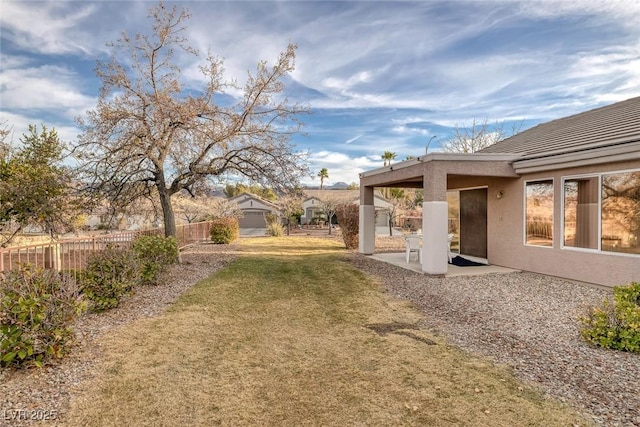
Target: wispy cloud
377,75
47,27
47,88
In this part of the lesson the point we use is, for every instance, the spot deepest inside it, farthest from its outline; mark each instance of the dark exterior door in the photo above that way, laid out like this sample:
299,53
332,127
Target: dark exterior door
473,222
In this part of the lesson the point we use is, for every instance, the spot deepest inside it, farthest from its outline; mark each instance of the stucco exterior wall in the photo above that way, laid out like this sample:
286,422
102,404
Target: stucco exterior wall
506,241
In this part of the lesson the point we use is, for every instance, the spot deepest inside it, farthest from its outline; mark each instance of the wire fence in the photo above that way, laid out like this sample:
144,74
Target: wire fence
72,254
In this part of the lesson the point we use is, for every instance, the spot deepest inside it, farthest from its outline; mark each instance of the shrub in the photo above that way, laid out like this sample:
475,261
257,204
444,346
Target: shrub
224,230
154,254
274,226
275,229
110,275
349,220
37,309
615,324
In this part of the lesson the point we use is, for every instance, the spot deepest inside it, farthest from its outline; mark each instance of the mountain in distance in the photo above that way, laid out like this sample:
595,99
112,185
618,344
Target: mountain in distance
338,186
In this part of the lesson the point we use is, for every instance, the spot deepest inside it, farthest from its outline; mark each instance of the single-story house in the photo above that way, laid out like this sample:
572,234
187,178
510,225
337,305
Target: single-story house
254,209
312,204
562,199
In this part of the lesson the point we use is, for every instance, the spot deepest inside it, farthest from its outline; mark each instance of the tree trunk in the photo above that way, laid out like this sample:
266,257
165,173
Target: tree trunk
167,213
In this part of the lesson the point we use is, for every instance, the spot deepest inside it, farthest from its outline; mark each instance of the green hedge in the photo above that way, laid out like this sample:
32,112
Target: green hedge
154,254
37,309
110,275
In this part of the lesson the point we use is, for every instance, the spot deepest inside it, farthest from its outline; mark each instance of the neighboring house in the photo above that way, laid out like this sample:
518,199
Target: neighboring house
312,204
254,209
101,219
562,198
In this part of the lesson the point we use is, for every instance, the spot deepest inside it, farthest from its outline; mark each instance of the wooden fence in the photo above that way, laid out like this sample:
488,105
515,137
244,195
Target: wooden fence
72,254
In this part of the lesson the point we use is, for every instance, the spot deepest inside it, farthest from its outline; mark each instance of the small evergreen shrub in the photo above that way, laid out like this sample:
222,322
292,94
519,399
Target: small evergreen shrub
37,310
154,254
615,324
349,219
109,276
224,230
274,226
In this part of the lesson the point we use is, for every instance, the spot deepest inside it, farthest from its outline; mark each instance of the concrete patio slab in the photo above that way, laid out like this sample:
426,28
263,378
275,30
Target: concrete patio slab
399,259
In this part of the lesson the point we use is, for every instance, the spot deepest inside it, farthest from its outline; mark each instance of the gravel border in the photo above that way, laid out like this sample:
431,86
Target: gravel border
528,322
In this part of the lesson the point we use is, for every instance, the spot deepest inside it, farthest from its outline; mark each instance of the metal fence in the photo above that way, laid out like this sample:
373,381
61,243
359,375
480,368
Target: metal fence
72,254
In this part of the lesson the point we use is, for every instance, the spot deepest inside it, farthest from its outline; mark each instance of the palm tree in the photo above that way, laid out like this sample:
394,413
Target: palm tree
387,157
324,173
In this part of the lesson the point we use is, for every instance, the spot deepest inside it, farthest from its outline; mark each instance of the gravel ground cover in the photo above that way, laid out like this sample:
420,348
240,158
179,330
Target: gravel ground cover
528,322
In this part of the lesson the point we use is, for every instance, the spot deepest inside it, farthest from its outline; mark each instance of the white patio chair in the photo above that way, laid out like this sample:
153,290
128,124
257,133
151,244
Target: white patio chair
414,244
449,239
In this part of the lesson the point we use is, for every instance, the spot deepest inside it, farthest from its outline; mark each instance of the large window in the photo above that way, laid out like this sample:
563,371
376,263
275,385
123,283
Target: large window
621,212
581,212
602,212
539,213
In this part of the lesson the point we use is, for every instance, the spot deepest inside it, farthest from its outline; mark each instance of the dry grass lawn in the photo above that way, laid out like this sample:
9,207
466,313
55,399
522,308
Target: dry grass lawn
290,335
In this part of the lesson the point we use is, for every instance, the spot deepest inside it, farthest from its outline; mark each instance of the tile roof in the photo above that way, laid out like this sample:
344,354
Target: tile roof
610,125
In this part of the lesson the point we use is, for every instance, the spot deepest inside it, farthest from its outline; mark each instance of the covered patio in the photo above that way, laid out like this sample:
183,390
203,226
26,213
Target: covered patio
476,176
398,259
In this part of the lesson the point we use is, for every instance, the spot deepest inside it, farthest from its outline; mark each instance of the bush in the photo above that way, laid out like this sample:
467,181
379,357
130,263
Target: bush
274,226
37,309
110,275
154,255
349,219
275,229
615,324
224,230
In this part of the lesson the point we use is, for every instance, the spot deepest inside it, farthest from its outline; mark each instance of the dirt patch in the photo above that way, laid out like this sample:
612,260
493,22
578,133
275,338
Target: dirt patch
403,329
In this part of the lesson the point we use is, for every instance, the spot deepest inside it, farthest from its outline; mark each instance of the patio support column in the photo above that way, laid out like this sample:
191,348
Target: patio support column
434,237
434,222
367,219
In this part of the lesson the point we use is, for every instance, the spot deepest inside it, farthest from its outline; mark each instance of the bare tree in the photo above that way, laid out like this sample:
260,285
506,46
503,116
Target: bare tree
290,206
152,132
398,202
477,136
193,208
223,208
329,205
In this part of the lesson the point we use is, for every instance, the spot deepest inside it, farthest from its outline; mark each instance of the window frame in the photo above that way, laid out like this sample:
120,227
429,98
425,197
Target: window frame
597,250
564,179
524,211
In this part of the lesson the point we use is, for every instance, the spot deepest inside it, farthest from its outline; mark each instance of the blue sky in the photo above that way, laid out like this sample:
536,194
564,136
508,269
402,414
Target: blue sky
378,75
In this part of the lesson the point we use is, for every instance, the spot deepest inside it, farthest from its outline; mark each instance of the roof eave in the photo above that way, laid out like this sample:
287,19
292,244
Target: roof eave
455,157
550,161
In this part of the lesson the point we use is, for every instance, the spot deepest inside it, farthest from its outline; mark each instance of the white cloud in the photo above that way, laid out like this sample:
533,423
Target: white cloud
341,167
48,87
47,27
623,12
19,125
405,130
